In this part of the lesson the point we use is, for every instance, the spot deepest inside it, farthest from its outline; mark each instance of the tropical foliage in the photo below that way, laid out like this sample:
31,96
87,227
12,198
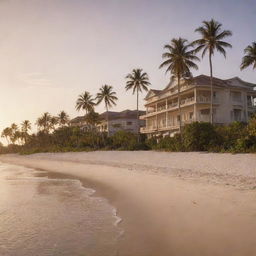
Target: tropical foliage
85,102
108,96
249,58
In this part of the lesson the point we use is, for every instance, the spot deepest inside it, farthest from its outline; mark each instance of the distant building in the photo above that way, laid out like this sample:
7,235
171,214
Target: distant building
121,121
233,100
118,121
78,121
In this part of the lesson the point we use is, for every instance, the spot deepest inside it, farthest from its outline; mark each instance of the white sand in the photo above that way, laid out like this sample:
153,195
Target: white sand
187,204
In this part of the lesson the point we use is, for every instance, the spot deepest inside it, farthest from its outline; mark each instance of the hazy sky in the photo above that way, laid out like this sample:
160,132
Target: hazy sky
53,50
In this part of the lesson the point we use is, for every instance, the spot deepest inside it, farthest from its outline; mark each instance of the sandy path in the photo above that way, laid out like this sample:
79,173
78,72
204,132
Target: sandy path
164,214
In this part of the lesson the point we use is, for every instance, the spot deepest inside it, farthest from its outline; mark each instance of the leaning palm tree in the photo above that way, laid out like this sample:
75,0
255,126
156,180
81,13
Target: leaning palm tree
212,39
179,59
137,81
63,118
7,133
108,96
249,57
85,102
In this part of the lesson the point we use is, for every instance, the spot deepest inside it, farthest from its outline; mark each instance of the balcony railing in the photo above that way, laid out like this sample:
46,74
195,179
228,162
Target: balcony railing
206,99
187,101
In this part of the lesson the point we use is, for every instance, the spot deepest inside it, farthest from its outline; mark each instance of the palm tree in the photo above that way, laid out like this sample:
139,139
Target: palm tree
137,81
63,118
14,128
250,57
44,122
107,95
212,39
180,59
85,102
53,122
7,133
25,127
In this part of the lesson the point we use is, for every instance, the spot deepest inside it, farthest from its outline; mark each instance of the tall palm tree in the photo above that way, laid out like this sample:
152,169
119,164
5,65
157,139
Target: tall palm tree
25,127
85,102
211,39
107,95
7,133
249,57
14,128
179,59
44,122
63,118
137,81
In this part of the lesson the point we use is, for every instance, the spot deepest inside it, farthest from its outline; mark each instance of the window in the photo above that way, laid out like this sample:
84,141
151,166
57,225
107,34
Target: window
191,115
178,118
236,96
117,125
128,123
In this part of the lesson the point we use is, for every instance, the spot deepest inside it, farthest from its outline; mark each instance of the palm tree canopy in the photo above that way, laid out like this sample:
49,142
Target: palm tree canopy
14,127
44,122
107,95
250,57
180,57
137,80
7,132
212,38
85,102
63,118
25,126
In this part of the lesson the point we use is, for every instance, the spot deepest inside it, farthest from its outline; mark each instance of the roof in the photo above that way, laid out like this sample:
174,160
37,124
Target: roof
112,115
125,114
77,119
206,80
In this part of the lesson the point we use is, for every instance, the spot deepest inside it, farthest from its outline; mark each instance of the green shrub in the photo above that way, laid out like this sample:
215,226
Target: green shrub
125,141
199,137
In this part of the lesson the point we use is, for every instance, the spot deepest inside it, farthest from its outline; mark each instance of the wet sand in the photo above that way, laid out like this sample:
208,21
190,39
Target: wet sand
170,203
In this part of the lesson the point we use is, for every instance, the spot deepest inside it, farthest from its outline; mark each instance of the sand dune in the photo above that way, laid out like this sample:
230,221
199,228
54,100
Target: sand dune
171,203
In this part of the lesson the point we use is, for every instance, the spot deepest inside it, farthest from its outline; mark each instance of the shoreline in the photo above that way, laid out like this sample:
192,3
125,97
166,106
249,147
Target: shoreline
162,213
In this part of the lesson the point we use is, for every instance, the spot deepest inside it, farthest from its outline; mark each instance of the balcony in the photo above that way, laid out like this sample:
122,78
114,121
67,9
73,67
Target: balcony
206,99
187,101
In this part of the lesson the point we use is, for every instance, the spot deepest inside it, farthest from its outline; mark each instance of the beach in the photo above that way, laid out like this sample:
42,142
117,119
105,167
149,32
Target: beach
175,204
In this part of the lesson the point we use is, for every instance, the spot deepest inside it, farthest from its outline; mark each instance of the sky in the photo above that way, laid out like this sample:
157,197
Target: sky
53,50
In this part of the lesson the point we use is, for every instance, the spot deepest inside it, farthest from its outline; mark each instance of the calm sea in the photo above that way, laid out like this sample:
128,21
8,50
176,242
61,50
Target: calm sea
40,216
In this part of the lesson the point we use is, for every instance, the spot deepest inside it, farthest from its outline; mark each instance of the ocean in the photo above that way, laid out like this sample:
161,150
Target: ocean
42,216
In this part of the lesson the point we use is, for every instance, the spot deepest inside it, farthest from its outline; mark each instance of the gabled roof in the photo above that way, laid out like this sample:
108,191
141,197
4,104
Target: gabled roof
77,119
152,93
125,114
206,80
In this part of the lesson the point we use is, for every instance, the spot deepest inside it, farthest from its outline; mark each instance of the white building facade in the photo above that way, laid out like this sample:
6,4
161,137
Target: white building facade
233,100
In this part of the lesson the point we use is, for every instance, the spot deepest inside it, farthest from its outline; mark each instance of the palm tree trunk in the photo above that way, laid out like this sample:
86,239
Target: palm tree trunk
138,124
211,81
107,120
179,103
